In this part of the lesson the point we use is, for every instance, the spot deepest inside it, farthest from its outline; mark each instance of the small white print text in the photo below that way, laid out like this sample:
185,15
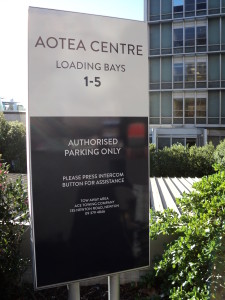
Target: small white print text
70,181
94,206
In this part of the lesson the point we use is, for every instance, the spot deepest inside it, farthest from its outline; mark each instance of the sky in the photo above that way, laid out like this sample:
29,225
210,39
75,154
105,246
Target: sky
14,28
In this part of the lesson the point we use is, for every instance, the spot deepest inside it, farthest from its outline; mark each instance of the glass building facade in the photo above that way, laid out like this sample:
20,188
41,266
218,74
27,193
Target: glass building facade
186,71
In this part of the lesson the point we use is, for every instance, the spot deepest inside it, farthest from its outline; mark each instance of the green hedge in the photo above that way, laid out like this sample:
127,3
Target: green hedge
180,161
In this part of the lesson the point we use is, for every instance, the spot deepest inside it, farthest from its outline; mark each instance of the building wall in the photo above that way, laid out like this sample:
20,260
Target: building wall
15,116
187,68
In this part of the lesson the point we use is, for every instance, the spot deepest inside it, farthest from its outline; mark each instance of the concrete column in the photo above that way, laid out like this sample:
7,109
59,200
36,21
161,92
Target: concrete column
154,135
205,136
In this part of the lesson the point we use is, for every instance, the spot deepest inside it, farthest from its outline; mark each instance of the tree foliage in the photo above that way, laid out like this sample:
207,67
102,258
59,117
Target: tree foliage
13,144
13,215
190,267
219,154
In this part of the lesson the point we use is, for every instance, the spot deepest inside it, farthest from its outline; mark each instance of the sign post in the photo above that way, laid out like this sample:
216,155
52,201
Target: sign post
87,146
74,291
114,287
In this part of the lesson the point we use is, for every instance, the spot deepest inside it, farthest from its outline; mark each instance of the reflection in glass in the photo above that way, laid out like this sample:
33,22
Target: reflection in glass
189,110
201,35
189,8
201,108
189,74
201,38
178,7
189,107
178,141
154,39
189,39
163,142
178,37
177,107
201,74
200,6
178,72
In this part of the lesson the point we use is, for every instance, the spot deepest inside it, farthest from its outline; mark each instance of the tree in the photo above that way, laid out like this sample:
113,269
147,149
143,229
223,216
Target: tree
219,154
189,267
13,216
4,128
13,144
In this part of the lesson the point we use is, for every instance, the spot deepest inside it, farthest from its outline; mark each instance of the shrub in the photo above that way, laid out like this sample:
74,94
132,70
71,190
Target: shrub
13,144
13,214
170,161
201,160
181,161
4,128
189,266
15,153
219,154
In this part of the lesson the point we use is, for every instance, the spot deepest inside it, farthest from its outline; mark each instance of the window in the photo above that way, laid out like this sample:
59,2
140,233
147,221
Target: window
189,75
200,7
163,142
189,110
178,111
166,7
214,71
154,73
223,6
213,107
178,75
166,107
166,73
189,8
154,39
223,70
201,39
201,74
178,40
201,111
223,107
189,39
214,34
190,142
154,10
215,140
154,108
178,7
178,141
223,33
213,7
166,38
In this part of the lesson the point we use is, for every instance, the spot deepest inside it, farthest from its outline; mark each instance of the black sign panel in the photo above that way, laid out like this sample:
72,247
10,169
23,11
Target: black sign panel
90,184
